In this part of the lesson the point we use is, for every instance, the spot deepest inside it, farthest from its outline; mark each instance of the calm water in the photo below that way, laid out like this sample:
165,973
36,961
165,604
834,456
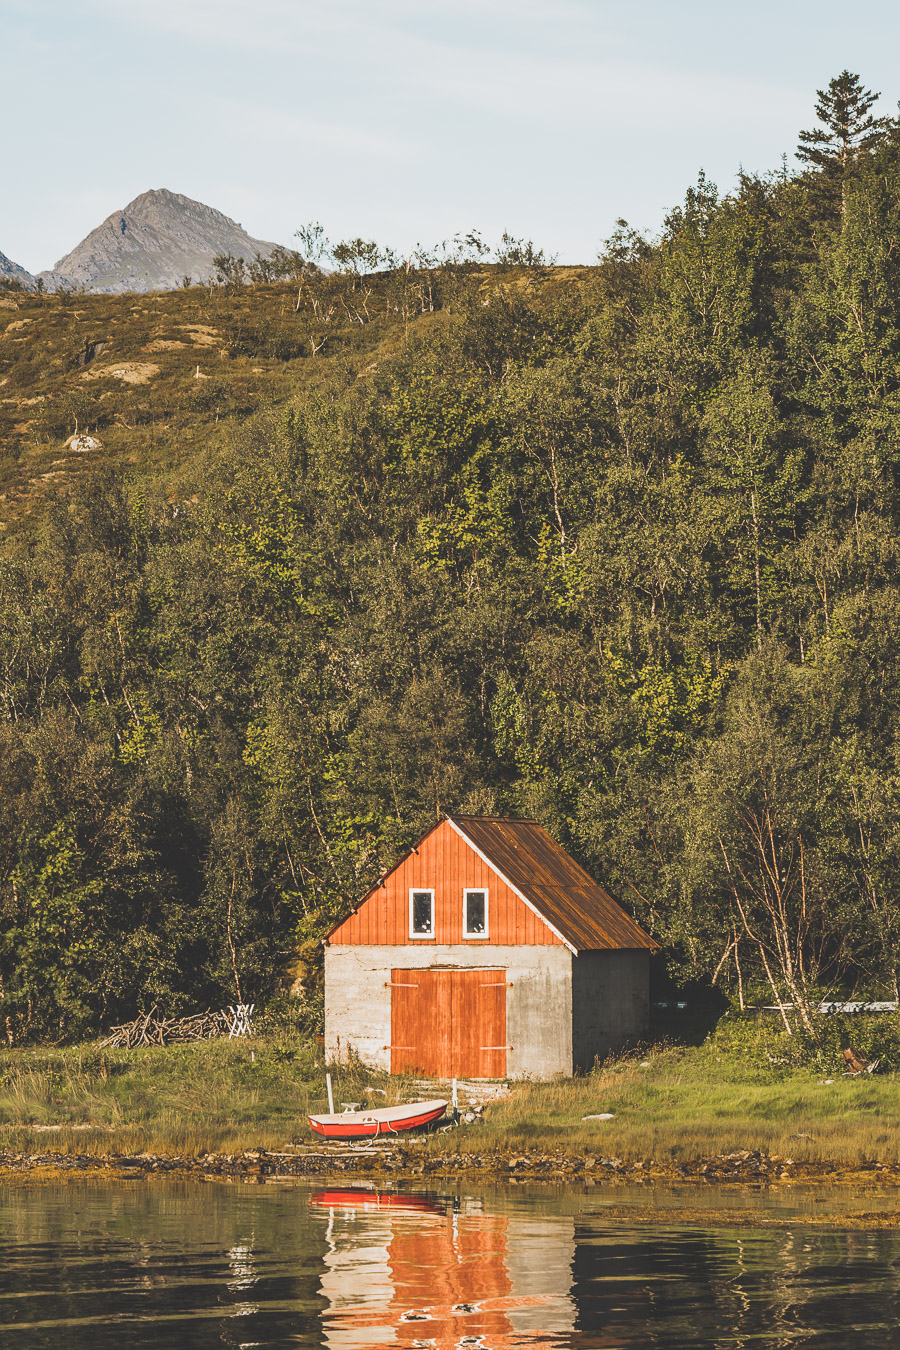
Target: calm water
154,1264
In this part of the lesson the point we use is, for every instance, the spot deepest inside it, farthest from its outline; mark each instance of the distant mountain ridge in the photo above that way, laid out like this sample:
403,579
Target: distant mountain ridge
152,244
11,271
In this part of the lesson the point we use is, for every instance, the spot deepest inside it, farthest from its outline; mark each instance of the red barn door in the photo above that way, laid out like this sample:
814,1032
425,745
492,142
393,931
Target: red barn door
449,1023
420,1022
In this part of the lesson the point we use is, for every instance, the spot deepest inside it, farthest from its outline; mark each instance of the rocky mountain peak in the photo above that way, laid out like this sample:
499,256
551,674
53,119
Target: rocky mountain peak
152,244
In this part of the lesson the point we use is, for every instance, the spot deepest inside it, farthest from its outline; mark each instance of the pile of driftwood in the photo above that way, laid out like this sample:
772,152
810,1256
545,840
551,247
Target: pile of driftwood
150,1029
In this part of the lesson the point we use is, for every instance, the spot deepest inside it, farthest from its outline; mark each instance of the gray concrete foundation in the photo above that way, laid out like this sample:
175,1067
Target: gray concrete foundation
562,1012
538,1001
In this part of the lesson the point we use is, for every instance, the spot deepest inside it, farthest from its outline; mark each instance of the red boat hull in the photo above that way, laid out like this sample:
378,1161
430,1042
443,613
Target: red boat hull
372,1124
360,1199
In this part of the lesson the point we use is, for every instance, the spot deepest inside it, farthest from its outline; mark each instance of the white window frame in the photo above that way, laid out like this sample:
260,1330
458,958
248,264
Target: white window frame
421,890
475,890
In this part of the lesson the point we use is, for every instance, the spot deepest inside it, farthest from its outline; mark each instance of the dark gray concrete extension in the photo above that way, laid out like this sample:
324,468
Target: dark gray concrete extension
610,1003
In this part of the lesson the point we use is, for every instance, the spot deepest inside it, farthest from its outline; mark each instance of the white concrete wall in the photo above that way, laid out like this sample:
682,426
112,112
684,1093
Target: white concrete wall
538,1001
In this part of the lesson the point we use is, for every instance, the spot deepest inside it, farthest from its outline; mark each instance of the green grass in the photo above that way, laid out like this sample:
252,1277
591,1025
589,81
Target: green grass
214,1095
670,1105
687,1104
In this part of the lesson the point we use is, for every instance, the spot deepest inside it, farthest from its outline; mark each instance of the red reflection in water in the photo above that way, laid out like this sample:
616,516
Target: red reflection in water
352,1198
402,1270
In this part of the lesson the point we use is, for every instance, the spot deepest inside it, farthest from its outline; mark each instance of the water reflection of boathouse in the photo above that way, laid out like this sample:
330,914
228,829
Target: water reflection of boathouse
449,1275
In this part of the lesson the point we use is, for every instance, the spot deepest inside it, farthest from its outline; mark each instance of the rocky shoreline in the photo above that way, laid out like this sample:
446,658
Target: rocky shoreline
394,1163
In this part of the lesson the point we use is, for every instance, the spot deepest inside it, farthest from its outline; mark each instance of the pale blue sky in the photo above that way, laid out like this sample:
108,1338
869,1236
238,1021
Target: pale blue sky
407,122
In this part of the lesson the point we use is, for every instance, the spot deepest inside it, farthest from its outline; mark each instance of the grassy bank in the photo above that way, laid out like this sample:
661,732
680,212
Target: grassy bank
676,1106
208,1095
671,1105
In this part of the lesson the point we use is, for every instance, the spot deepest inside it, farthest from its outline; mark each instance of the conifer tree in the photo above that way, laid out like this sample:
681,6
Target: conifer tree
848,131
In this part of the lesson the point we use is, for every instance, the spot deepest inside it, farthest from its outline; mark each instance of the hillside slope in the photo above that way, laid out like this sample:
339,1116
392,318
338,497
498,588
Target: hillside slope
617,549
152,244
156,382
161,382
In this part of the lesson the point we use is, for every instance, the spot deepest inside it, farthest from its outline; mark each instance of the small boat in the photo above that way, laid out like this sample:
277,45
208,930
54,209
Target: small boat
382,1120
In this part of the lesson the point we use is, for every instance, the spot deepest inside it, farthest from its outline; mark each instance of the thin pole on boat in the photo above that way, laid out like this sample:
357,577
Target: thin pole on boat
330,1094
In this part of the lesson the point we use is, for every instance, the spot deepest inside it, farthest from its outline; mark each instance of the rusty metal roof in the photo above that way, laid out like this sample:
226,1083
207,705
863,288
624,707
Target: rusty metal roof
569,900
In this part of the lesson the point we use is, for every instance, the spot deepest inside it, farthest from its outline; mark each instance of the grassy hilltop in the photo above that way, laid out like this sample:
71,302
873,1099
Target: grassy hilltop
165,381
179,372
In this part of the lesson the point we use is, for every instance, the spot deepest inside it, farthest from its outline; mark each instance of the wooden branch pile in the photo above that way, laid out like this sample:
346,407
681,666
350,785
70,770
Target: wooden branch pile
149,1029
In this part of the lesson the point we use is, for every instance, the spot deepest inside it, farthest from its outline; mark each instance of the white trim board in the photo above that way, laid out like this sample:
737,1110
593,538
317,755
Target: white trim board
413,935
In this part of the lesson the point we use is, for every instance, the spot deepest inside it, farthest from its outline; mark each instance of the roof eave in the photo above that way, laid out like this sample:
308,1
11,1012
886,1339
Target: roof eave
379,884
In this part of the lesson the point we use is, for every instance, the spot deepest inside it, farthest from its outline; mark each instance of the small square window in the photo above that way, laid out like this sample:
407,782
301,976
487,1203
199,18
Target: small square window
475,915
421,913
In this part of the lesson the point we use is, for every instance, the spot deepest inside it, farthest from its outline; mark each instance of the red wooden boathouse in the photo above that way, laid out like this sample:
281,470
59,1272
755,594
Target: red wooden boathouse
485,952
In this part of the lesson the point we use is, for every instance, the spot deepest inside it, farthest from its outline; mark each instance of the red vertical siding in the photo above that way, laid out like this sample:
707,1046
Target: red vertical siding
446,864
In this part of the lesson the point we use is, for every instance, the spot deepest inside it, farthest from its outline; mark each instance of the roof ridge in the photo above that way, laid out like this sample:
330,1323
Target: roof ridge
503,873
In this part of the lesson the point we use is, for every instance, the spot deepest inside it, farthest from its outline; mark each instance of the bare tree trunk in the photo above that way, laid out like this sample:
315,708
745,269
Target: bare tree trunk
737,966
237,983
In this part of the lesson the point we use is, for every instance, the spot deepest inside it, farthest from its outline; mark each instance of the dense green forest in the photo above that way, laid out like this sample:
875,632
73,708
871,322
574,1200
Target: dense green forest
619,552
